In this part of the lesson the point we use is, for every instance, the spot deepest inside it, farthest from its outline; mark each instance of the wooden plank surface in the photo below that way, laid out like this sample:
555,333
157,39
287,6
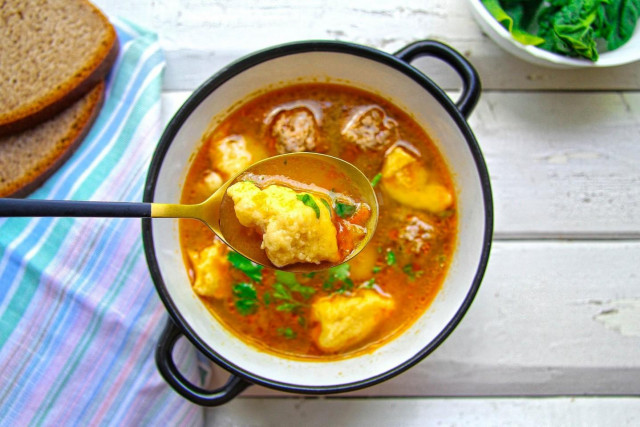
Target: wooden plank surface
551,318
200,37
562,165
619,412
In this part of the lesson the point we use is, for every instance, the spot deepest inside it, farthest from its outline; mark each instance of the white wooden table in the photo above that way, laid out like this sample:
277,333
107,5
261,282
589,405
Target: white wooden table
553,337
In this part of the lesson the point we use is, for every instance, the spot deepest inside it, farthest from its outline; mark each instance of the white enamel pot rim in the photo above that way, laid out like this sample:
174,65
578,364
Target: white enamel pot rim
392,77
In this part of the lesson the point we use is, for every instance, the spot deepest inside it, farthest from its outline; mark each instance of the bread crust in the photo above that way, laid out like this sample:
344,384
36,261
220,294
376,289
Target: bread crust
31,179
69,91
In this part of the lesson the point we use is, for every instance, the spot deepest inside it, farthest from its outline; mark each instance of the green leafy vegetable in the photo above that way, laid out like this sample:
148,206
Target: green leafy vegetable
376,179
288,333
284,288
391,258
494,7
289,279
569,27
251,269
409,271
338,275
289,306
266,298
246,298
344,210
376,269
308,201
620,18
369,284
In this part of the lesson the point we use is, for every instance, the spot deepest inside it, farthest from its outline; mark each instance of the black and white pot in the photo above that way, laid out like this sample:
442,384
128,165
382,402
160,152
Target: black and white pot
390,76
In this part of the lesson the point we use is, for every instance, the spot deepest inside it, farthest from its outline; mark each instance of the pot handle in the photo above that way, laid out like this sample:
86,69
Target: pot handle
169,371
471,85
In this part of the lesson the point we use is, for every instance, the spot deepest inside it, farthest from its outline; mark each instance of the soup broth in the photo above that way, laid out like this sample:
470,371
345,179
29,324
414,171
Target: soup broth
357,306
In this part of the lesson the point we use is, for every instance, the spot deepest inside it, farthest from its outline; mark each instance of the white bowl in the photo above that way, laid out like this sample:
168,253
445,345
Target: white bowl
629,52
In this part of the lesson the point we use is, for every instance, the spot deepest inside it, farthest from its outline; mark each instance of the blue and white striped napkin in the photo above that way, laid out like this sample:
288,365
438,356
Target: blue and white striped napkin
79,315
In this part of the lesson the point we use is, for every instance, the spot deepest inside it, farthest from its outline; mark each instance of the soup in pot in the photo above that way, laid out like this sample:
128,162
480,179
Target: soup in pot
355,307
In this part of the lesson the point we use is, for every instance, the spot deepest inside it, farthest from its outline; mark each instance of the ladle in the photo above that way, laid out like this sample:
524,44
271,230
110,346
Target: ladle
209,211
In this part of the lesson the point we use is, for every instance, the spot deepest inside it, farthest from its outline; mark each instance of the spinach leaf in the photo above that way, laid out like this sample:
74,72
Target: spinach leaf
518,33
246,298
308,201
251,269
619,21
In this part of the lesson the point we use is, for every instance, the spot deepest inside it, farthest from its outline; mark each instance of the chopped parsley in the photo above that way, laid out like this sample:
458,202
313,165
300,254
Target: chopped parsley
376,269
409,271
308,201
344,210
339,276
284,288
288,333
251,269
246,298
376,179
369,284
391,258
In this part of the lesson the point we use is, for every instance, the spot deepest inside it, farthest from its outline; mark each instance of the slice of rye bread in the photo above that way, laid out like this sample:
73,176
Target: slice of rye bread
29,157
52,52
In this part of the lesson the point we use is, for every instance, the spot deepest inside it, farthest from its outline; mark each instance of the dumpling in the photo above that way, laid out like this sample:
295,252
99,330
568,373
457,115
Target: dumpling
293,231
233,154
346,320
407,181
211,270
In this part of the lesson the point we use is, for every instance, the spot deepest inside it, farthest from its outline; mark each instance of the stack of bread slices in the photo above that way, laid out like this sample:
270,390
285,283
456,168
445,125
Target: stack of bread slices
54,57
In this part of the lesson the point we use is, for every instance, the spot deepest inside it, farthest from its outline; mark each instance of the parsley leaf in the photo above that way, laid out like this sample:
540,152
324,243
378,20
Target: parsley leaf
376,179
286,284
391,258
344,210
280,291
246,298
289,306
308,201
338,274
288,333
251,269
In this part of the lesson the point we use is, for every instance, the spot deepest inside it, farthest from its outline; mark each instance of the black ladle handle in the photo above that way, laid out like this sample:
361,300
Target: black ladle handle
58,208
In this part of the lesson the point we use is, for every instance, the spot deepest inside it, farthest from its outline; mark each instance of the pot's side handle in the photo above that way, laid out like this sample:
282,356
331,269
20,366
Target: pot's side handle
169,371
471,85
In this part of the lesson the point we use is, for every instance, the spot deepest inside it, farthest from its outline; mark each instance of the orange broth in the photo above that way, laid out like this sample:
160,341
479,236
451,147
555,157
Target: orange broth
406,268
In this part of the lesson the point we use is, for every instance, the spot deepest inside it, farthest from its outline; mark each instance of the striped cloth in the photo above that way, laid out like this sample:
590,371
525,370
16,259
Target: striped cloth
79,316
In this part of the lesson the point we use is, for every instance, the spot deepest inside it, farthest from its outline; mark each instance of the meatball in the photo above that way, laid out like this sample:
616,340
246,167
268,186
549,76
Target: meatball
416,233
294,130
371,129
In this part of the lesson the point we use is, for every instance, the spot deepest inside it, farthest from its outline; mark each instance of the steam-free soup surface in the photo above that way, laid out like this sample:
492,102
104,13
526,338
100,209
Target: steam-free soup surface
355,307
